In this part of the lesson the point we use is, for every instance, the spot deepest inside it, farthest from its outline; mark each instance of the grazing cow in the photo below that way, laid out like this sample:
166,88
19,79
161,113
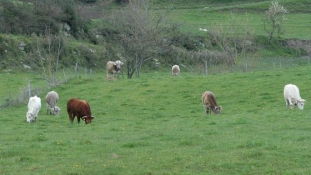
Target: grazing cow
113,68
175,70
34,106
209,103
292,96
79,108
51,100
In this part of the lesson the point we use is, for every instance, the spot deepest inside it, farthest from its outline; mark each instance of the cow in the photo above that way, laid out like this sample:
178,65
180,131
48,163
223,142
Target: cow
113,68
209,103
175,70
79,108
34,106
292,96
51,100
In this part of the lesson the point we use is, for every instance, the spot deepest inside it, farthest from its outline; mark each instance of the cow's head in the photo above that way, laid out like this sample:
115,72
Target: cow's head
30,117
55,110
301,103
87,119
217,109
118,64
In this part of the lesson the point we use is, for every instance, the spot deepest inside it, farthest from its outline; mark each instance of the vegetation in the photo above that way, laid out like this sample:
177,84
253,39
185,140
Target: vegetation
140,35
91,37
157,125
274,19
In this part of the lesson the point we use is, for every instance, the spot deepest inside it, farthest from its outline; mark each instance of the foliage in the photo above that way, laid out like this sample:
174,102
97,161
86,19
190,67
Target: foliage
139,34
122,1
157,125
182,41
15,18
274,18
45,57
36,17
88,1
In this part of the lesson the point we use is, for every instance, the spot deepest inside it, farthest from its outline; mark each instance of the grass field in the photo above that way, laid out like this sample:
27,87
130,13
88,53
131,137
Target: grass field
156,125
193,16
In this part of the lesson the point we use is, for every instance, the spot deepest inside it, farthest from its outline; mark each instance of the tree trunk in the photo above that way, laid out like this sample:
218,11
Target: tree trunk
270,36
130,70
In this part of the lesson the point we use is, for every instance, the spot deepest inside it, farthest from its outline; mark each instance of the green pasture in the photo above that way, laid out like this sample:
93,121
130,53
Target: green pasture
209,15
156,125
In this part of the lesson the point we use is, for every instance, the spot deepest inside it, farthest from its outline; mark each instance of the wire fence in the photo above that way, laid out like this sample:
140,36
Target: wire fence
248,65
33,87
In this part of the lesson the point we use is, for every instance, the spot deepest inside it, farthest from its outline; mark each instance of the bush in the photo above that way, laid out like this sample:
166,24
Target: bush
122,1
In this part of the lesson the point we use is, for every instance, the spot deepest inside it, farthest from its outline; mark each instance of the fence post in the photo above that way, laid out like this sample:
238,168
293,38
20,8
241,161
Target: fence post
29,89
280,63
76,68
206,68
65,76
91,73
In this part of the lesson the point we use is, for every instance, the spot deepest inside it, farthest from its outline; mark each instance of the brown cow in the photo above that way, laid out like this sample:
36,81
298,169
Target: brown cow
209,103
79,108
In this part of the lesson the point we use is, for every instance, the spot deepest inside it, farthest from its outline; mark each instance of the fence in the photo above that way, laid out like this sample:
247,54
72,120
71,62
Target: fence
249,65
33,88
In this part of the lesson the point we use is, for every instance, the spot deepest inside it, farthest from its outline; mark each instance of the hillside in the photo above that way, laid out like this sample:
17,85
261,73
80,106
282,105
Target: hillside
98,42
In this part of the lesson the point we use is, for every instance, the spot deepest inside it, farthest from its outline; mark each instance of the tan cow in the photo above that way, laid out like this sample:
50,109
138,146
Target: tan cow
51,100
209,103
113,68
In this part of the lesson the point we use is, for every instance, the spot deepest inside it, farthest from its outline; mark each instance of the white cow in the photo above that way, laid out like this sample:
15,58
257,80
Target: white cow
34,106
175,70
292,96
113,68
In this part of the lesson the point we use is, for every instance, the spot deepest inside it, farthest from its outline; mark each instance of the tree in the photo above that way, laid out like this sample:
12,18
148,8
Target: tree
273,20
233,41
138,34
45,58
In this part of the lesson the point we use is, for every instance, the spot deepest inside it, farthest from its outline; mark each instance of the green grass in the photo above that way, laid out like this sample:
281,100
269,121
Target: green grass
156,125
206,15
13,82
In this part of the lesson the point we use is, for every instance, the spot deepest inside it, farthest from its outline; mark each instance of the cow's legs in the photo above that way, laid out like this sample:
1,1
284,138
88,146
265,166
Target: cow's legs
289,103
71,116
207,109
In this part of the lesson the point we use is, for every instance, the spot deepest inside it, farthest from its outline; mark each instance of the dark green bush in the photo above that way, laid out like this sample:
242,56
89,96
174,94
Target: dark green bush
122,1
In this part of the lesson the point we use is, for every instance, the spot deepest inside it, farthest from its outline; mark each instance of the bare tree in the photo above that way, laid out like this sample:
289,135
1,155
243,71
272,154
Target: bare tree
45,58
273,20
233,41
139,34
